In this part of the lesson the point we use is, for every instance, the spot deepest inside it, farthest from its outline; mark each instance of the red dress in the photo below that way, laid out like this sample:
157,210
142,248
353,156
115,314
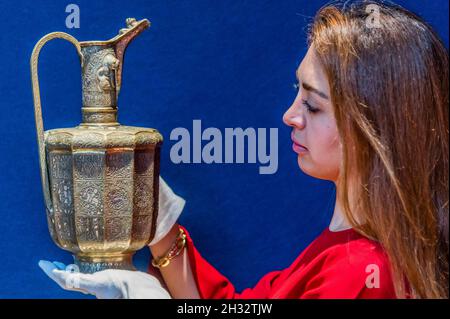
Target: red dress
342,264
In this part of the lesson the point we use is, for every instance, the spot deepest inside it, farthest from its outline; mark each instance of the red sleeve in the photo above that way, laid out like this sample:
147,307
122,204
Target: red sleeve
212,284
347,275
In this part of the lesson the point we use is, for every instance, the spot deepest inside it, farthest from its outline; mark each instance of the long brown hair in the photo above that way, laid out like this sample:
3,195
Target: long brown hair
388,76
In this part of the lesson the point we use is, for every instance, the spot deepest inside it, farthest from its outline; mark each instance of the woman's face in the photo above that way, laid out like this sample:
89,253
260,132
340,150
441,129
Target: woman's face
314,133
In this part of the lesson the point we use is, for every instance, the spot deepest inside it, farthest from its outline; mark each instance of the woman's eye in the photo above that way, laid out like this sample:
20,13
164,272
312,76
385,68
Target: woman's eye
309,107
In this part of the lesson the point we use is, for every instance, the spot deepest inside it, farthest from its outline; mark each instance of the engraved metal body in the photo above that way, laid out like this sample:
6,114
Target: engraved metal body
100,179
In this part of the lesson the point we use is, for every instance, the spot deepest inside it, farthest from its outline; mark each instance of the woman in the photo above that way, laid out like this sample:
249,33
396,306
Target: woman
371,115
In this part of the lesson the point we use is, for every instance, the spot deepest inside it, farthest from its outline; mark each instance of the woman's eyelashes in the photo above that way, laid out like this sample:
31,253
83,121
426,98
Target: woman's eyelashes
309,107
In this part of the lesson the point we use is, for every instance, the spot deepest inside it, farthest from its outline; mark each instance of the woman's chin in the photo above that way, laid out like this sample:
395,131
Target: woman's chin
307,167
304,165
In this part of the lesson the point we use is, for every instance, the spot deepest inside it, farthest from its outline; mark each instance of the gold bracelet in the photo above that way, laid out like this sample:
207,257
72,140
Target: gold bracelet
174,251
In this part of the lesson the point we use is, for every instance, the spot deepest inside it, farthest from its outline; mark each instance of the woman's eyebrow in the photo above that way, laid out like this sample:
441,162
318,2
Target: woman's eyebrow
308,87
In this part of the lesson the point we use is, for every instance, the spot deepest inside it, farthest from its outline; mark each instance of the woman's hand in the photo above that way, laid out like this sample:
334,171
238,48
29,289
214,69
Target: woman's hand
107,284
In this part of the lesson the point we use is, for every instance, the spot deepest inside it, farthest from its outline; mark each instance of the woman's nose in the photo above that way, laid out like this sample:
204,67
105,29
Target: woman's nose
294,117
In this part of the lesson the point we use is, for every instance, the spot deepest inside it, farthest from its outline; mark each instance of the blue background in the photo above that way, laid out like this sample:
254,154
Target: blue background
228,63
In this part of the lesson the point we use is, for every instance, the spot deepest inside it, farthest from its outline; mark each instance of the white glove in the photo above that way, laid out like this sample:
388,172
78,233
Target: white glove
107,284
170,208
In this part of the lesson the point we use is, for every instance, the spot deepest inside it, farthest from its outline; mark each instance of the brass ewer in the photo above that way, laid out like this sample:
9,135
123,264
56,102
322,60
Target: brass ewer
100,179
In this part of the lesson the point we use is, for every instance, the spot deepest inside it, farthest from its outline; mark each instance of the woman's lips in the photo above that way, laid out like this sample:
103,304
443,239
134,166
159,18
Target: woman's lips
297,147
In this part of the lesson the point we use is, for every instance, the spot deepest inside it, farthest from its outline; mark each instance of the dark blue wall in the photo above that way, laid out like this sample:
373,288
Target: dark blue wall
228,63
